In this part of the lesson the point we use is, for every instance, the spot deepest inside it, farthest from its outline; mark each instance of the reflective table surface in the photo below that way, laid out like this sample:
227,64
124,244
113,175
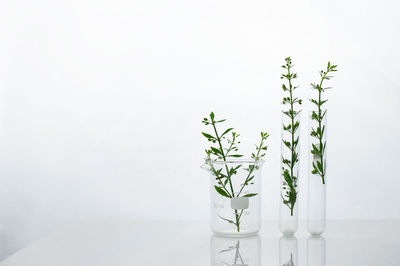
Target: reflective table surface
367,243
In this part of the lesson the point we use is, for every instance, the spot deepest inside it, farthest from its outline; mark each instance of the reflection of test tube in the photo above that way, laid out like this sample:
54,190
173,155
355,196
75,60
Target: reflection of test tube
315,251
288,251
235,251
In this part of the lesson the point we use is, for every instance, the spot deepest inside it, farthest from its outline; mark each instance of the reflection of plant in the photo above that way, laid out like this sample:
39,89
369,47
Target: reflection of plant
318,150
290,262
289,194
238,256
225,149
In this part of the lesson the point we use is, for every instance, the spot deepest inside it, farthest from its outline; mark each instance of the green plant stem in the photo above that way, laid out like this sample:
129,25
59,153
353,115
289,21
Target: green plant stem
319,161
319,124
228,174
288,169
248,176
292,120
251,171
237,221
220,182
224,158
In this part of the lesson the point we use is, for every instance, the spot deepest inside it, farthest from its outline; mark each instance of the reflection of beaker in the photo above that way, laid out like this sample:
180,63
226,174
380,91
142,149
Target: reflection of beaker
288,251
316,251
235,251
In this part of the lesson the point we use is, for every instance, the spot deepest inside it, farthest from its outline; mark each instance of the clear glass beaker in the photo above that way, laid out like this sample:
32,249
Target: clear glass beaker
235,197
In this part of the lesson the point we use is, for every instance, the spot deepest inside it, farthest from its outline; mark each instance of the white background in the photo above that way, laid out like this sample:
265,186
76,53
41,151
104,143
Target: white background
102,101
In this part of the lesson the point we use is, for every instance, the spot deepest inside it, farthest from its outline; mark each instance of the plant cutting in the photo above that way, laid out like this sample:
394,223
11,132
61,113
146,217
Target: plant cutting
291,124
318,153
232,177
318,115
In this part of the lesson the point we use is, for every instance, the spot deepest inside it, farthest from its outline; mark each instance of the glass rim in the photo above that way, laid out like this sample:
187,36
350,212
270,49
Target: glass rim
310,111
246,160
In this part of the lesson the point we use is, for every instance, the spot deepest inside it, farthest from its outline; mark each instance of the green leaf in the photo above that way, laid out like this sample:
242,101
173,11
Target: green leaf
314,102
313,133
250,195
294,157
231,171
237,167
235,155
208,136
221,191
286,161
292,196
287,178
287,144
216,151
295,126
319,165
314,171
323,114
226,131
315,149
230,221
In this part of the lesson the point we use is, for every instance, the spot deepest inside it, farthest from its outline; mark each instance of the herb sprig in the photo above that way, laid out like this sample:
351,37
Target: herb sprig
318,150
225,148
289,194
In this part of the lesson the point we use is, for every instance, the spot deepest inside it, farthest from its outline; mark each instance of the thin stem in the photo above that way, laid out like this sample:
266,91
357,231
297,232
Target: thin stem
219,181
318,152
252,168
227,172
244,184
292,133
321,148
223,156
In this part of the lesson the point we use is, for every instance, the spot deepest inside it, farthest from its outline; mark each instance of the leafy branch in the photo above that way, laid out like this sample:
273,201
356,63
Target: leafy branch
221,152
262,147
318,149
289,194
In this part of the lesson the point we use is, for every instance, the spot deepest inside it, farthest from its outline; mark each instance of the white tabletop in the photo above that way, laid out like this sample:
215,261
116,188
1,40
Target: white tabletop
367,243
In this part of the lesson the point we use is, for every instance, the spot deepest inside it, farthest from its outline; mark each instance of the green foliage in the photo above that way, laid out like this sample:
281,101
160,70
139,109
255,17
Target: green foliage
222,192
222,149
289,186
250,195
318,150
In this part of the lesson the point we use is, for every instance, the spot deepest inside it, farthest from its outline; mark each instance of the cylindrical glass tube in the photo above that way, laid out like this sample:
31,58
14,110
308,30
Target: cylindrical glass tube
288,251
235,251
235,197
315,251
290,147
317,175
